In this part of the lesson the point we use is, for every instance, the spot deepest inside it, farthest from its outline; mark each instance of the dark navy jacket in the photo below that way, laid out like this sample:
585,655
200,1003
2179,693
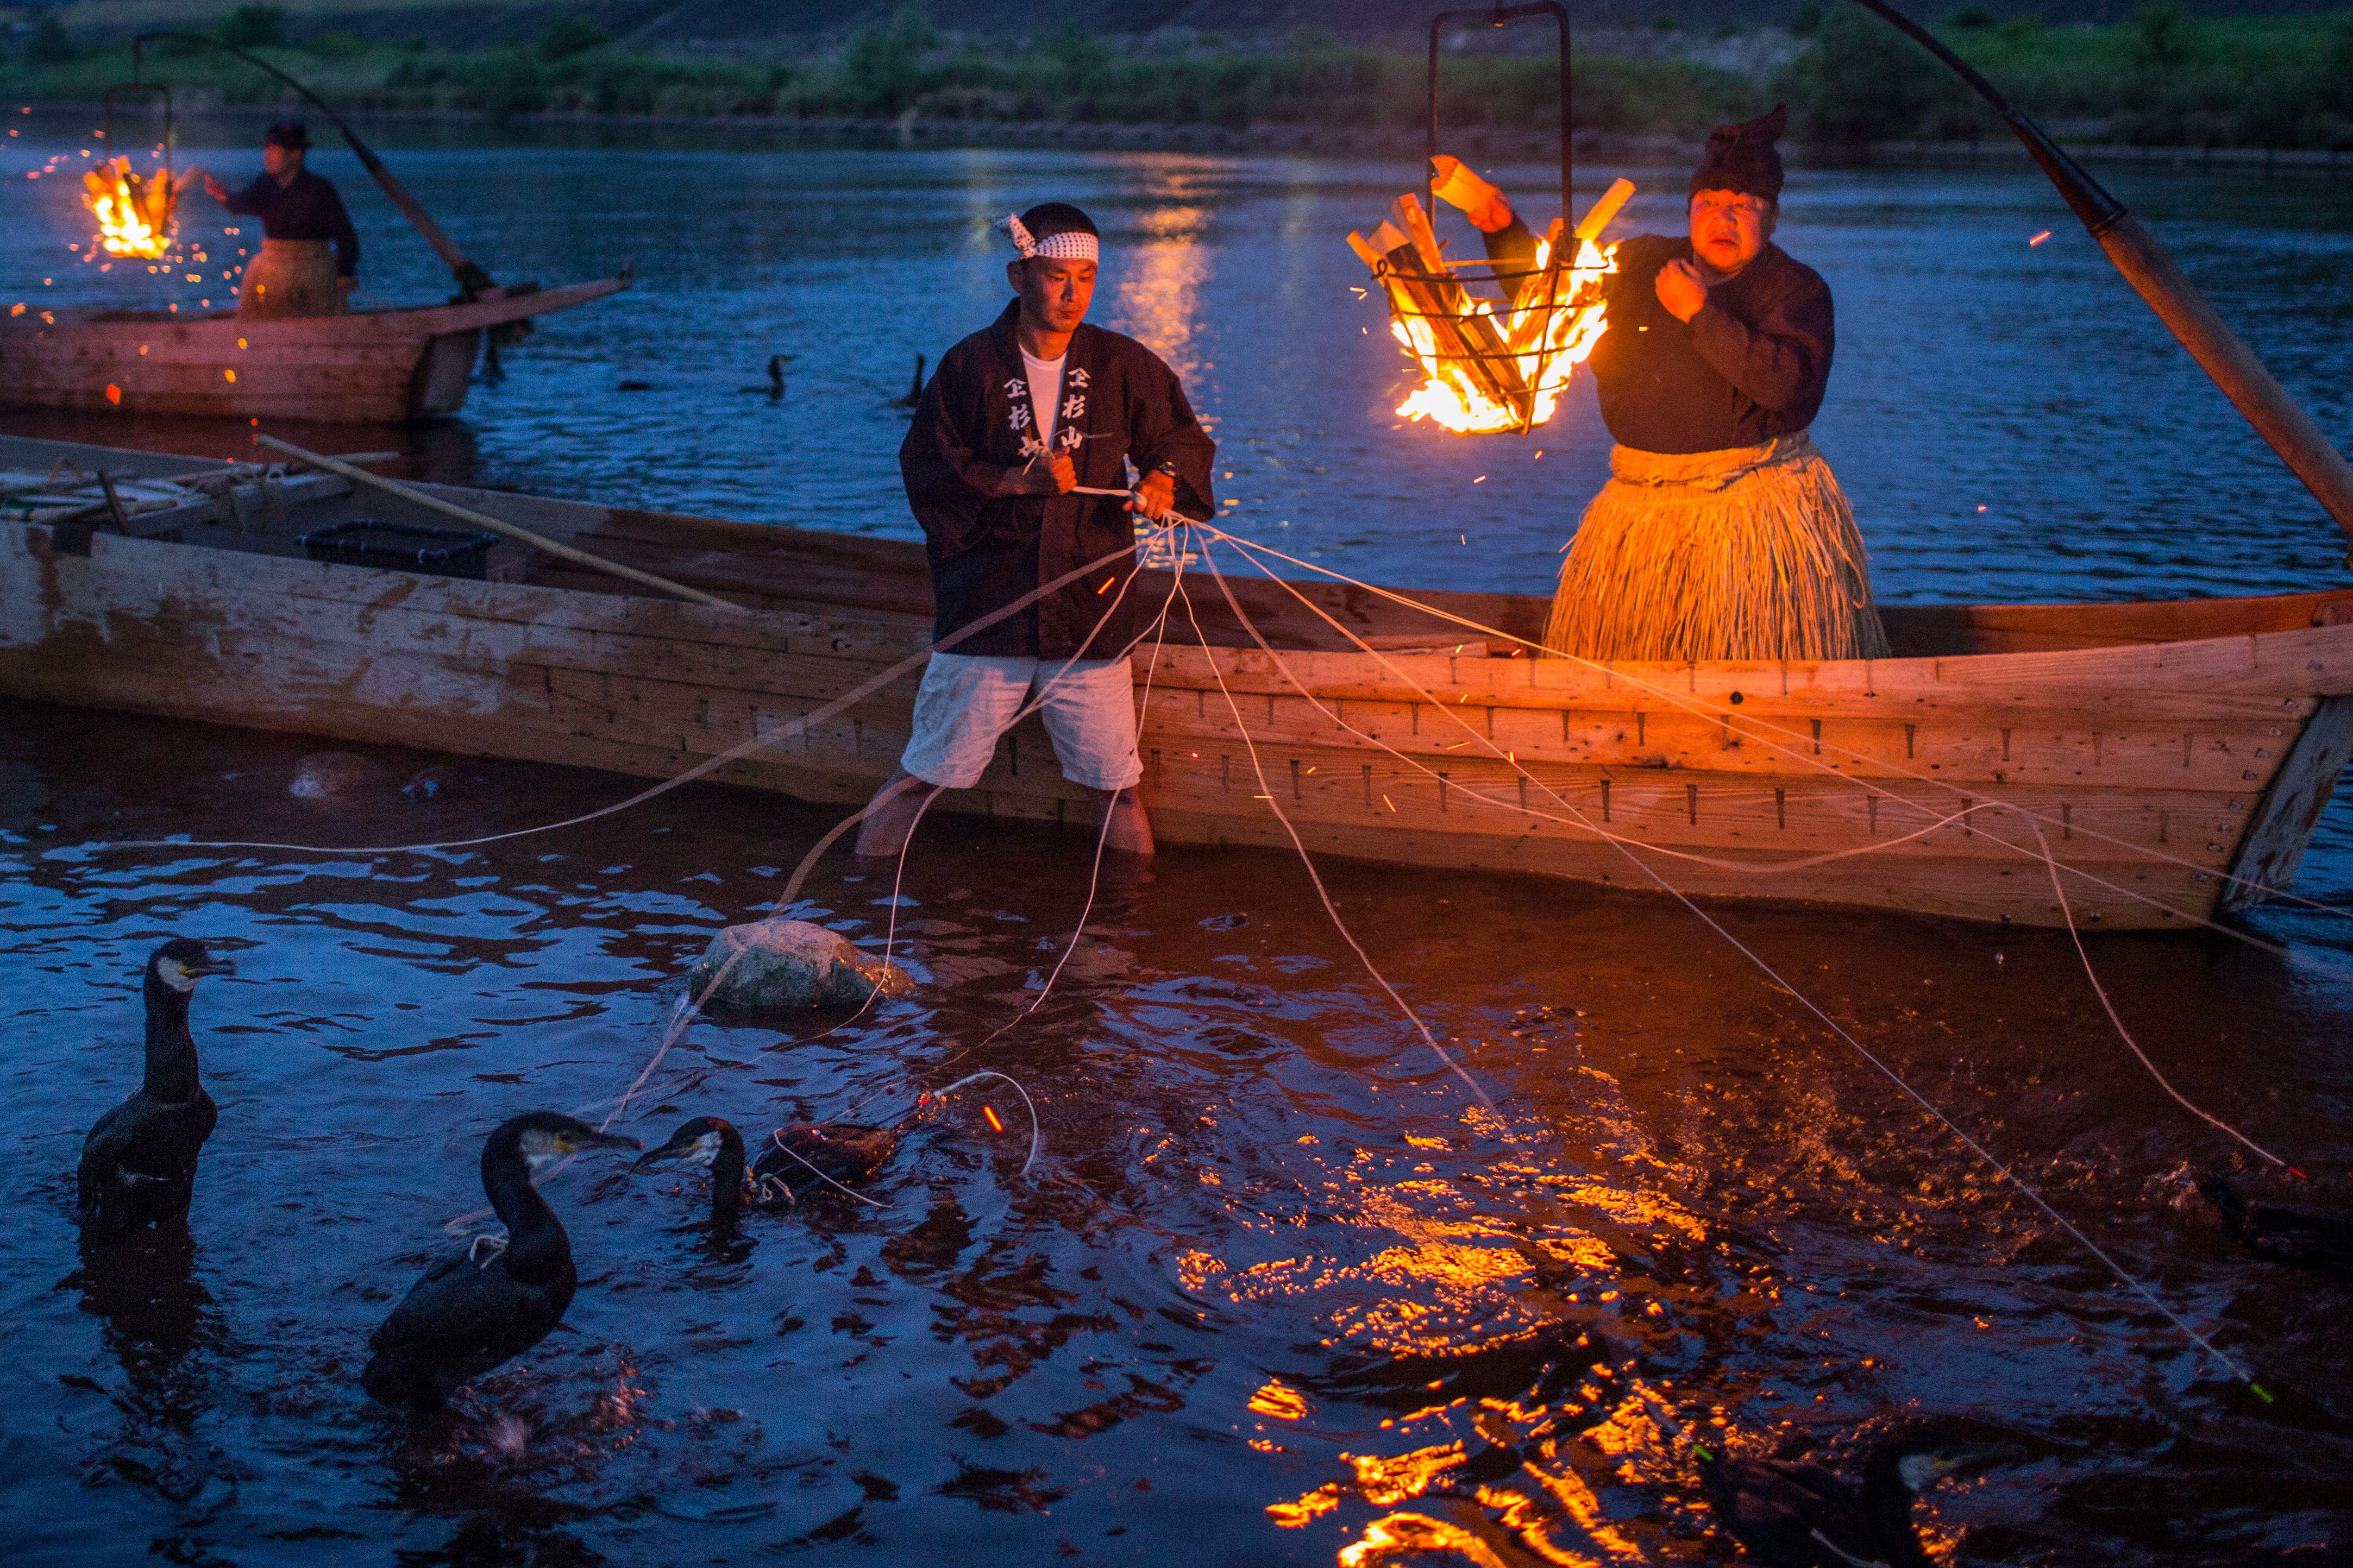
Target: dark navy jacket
305,208
973,430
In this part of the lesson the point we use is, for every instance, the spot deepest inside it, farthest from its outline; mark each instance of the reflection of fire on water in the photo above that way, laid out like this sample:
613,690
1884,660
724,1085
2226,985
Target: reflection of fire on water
1492,364
133,213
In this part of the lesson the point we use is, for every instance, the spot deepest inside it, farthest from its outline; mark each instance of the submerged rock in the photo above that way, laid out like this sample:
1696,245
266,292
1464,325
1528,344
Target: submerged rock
791,963
332,775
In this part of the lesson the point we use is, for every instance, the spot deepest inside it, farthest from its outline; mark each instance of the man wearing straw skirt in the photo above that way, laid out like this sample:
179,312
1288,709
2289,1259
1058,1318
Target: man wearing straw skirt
1018,466
302,217
1722,533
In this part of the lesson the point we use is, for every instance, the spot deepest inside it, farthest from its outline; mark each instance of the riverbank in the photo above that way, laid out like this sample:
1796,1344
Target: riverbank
2277,83
1484,145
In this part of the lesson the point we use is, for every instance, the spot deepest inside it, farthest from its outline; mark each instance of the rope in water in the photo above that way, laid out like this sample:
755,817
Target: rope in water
1251,549
1621,842
689,1007
1972,1144
1266,794
758,742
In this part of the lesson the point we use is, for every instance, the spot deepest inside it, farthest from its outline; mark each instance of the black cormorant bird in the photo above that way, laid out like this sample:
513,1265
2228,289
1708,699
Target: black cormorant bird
477,1307
805,1158
1802,1516
2309,1238
914,389
775,388
139,1163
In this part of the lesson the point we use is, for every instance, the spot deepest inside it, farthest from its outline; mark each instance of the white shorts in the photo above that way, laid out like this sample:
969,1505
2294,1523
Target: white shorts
967,700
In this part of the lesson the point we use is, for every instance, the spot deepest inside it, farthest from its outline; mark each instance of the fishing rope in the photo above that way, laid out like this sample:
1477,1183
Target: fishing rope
1969,808
1266,794
2100,991
1664,694
1103,836
689,1005
783,732
1927,1105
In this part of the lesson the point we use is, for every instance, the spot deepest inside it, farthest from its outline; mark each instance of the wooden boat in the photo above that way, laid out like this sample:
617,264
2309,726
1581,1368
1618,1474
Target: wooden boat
2174,756
370,367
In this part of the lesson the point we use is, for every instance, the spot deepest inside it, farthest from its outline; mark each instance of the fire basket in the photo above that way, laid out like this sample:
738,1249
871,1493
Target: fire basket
133,211
1492,364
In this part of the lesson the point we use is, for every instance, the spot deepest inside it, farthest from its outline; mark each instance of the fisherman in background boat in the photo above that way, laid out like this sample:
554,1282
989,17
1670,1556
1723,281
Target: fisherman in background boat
302,216
1019,417
1722,533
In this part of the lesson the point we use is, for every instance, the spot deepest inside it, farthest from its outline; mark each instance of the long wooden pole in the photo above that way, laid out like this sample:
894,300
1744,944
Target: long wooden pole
468,275
483,520
2277,417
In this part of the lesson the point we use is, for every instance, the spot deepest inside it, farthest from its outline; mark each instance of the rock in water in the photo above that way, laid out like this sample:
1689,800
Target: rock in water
333,775
791,963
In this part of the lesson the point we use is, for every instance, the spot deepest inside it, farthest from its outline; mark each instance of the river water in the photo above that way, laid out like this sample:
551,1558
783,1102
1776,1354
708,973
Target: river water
1278,1288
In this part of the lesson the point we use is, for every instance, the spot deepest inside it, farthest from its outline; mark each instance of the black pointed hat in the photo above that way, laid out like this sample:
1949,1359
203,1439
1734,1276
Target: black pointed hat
1743,158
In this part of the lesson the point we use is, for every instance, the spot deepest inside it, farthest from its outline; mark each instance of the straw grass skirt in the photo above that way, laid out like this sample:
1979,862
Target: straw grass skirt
1740,554
289,277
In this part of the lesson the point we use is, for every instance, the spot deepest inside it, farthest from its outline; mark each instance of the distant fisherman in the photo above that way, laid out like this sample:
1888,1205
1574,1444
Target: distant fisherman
1018,416
1722,533
302,216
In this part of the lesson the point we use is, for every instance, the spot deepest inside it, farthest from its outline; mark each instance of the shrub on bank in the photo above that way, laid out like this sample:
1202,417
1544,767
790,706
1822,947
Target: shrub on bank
2163,77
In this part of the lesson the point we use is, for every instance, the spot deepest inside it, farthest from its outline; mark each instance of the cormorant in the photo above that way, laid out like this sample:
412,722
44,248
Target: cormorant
2308,1238
476,1307
139,1163
795,1159
775,388
1802,1516
914,389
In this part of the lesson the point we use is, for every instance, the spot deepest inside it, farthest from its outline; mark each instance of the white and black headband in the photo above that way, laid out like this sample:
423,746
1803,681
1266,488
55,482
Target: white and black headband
1071,245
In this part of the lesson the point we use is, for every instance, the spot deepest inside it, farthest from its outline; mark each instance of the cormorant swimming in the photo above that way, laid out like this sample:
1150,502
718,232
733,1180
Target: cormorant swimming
475,1307
139,1163
2308,1238
1802,1516
914,389
796,1159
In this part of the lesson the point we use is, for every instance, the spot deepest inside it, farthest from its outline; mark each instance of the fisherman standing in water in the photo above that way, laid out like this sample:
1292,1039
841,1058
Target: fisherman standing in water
1018,416
301,215
1722,533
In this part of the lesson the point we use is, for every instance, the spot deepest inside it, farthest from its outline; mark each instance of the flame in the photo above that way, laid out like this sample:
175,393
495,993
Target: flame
133,213
1559,320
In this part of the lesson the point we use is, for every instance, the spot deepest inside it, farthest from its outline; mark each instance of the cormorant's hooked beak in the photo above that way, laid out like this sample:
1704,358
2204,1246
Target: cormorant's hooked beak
210,965
680,1146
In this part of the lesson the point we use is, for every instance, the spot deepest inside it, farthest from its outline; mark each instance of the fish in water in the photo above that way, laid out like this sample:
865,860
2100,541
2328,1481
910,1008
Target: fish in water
1802,1516
481,1305
2307,1237
793,1161
914,389
139,1163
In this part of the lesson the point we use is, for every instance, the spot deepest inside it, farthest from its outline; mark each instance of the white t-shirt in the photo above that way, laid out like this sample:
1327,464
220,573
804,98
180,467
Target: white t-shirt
1045,393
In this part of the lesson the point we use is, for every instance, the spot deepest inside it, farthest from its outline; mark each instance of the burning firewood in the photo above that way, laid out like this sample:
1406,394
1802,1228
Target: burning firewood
1492,365
133,212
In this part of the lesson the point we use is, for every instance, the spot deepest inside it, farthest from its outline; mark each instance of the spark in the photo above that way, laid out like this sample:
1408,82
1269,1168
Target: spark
2038,239
990,1111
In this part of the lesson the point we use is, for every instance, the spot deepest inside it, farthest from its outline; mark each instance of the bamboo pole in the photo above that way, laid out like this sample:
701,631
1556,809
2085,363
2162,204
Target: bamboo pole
483,520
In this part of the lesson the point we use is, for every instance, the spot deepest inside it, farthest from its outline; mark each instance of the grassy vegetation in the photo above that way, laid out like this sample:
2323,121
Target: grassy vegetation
2163,77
